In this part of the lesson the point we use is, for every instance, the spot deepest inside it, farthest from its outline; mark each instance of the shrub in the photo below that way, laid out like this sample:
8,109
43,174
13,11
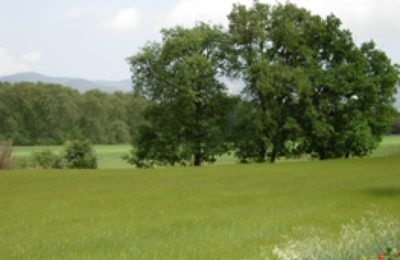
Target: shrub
79,155
6,150
60,163
45,159
22,162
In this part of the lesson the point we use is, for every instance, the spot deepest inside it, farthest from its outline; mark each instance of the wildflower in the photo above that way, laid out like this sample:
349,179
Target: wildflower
355,235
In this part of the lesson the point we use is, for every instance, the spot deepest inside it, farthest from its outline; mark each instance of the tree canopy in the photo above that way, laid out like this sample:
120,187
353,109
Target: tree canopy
49,114
187,116
313,90
308,89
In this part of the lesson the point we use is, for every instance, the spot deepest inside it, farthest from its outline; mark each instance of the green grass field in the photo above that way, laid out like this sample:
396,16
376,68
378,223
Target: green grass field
226,211
109,156
390,145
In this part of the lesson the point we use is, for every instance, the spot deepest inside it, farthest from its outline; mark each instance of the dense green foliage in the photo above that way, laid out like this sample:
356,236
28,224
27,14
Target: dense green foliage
188,116
311,88
213,212
79,155
47,114
46,159
308,89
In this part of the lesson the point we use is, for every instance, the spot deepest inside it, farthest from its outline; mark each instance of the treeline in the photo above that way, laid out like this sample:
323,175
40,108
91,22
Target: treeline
49,114
308,89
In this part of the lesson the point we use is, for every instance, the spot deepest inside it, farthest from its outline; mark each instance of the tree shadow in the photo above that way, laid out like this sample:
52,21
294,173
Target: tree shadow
385,192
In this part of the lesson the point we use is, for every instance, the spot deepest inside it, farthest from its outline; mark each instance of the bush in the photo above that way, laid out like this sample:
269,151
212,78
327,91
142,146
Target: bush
76,155
6,150
45,159
60,163
79,155
22,162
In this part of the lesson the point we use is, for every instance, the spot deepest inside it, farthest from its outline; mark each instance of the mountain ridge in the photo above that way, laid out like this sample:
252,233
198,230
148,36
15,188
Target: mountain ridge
84,85
79,84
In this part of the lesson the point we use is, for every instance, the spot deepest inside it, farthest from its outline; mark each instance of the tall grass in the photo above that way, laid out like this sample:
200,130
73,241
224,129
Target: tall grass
357,240
214,212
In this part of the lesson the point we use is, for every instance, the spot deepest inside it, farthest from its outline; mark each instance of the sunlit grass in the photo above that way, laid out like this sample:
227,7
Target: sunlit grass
217,212
110,156
390,145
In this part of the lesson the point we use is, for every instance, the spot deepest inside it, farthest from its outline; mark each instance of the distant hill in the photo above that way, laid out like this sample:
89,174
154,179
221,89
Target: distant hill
77,83
108,86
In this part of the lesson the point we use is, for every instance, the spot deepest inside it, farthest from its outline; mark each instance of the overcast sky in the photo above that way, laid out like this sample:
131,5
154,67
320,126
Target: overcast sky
92,38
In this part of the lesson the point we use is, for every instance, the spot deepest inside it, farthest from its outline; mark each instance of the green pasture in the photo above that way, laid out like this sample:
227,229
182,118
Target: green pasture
390,145
109,156
229,211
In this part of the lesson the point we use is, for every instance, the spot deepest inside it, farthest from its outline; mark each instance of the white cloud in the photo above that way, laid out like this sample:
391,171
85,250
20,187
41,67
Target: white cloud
10,63
367,19
76,12
31,57
126,20
188,12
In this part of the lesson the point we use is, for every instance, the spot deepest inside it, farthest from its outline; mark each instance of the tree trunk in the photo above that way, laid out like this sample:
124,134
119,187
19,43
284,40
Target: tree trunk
273,155
261,152
198,155
322,155
198,158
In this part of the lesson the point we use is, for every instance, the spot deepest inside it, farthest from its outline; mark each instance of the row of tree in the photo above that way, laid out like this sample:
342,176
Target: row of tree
47,114
308,89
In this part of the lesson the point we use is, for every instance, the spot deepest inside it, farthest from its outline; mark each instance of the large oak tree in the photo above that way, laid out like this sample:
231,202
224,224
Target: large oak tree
312,88
186,118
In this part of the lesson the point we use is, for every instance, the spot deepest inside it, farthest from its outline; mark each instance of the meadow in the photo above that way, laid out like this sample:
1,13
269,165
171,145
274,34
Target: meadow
109,156
225,211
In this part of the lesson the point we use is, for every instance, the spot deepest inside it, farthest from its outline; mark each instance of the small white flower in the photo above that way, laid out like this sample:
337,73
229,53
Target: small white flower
354,97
